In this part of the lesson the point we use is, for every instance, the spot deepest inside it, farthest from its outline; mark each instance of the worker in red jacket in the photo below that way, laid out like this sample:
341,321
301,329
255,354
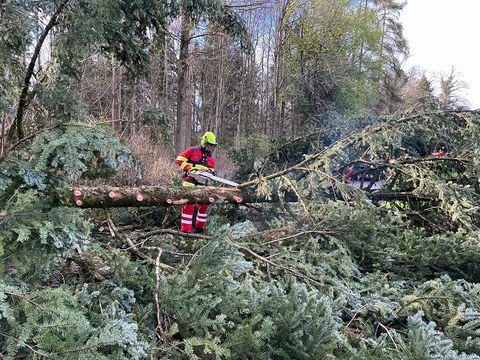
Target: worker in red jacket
192,160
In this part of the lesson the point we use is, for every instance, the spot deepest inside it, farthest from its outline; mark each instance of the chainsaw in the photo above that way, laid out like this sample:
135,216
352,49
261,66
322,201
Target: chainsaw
204,176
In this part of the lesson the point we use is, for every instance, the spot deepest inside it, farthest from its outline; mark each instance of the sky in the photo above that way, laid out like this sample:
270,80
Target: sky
442,34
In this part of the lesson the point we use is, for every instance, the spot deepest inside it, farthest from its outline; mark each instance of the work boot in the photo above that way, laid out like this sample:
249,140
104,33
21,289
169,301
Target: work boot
198,231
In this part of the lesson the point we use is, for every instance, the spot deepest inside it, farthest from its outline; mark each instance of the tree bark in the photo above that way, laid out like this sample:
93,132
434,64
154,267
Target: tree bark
106,196
219,94
182,131
145,196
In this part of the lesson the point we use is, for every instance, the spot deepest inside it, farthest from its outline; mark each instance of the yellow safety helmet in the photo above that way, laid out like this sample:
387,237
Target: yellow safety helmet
209,138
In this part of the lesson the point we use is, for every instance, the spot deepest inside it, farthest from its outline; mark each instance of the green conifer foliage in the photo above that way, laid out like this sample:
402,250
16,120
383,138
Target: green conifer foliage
341,273
248,315
38,234
55,321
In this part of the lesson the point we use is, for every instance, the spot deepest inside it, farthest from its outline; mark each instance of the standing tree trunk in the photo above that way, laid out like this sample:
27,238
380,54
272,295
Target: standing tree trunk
182,130
120,86
219,96
24,100
240,110
278,104
362,45
112,118
2,136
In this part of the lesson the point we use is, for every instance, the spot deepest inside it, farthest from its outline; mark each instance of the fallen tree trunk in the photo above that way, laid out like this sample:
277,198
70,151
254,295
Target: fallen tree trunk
107,197
144,196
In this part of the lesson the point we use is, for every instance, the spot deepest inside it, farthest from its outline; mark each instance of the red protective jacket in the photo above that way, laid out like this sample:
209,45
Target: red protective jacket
195,158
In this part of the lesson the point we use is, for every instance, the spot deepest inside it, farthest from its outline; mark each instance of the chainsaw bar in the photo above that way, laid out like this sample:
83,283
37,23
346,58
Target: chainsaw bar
204,175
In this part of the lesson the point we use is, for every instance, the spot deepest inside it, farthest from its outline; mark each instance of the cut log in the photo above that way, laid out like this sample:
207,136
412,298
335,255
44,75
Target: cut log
107,197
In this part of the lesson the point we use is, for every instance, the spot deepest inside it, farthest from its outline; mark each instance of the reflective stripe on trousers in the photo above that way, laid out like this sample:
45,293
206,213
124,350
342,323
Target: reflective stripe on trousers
187,217
202,214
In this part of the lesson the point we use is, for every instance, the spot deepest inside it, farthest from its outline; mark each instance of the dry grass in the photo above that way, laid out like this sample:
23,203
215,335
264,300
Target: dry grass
157,164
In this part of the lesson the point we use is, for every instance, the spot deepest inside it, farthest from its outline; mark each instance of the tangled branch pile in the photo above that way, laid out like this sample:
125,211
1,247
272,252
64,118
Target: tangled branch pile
342,273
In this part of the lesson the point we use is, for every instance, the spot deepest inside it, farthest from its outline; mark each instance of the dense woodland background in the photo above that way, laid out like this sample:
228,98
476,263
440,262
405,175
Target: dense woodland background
306,99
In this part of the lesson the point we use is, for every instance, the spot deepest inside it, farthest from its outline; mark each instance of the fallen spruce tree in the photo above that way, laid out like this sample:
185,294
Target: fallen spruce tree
399,155
344,273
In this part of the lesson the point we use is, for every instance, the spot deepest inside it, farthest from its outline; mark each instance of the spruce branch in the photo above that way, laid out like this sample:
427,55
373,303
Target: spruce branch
158,248
23,297
389,335
31,348
270,233
319,232
356,314
421,298
172,232
299,197
133,247
25,139
345,142
160,333
339,144
39,132
294,272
